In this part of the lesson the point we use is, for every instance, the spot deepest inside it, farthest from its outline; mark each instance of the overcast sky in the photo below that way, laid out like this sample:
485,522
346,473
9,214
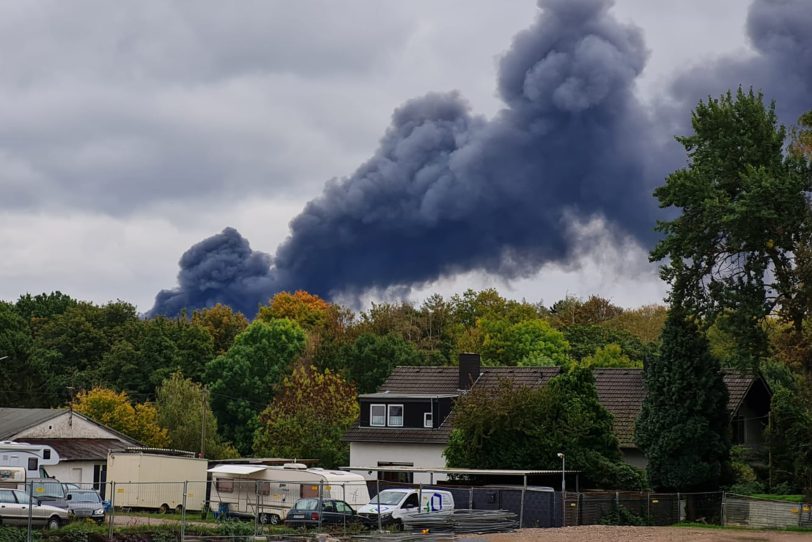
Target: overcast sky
130,131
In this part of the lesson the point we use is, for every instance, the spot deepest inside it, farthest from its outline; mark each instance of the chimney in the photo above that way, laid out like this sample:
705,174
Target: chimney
469,370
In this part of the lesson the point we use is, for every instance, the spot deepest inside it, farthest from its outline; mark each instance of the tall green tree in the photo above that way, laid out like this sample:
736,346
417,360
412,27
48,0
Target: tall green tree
15,346
683,425
183,409
739,249
517,427
245,379
369,360
525,343
308,418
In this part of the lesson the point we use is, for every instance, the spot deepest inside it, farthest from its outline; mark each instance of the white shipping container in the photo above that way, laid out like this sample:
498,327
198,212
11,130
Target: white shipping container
156,481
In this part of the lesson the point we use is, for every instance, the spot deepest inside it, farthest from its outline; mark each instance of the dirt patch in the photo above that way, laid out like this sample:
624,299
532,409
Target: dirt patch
644,534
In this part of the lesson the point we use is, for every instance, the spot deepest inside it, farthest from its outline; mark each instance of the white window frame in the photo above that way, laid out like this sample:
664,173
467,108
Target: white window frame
371,417
428,419
389,415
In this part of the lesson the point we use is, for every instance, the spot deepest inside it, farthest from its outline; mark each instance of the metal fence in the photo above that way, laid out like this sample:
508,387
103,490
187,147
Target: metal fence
744,511
642,508
243,508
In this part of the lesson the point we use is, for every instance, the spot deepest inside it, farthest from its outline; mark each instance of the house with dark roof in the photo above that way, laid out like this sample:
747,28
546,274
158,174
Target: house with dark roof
82,444
407,422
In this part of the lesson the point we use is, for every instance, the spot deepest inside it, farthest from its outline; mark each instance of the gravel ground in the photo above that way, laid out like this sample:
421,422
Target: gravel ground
644,534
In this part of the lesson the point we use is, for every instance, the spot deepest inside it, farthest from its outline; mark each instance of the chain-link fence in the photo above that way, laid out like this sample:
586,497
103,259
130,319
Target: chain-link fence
642,508
241,508
744,511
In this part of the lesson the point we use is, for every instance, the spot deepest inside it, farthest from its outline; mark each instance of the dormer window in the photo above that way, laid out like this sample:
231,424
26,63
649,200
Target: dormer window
395,415
377,415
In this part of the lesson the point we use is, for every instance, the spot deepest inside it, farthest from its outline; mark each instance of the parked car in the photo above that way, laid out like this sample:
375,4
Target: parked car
306,513
49,491
401,502
14,510
85,504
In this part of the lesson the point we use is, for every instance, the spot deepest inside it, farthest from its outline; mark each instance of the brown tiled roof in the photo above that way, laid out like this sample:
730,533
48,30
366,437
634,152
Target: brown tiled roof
81,449
490,377
737,386
620,391
422,380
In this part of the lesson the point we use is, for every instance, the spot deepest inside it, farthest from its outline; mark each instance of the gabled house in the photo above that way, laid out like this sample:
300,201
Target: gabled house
82,444
407,421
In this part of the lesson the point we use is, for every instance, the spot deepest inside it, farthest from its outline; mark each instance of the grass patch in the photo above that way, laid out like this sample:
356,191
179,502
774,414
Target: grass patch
694,525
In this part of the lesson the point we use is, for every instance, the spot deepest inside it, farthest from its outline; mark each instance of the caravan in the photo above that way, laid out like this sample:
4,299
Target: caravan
267,493
33,458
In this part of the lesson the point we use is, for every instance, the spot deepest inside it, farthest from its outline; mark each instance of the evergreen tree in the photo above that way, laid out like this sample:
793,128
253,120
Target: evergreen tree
683,425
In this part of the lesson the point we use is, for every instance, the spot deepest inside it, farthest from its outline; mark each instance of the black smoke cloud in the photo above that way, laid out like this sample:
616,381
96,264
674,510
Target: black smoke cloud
449,192
220,269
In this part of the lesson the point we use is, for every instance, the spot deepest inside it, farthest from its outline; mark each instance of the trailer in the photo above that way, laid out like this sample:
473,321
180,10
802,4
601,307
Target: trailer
31,457
155,479
266,493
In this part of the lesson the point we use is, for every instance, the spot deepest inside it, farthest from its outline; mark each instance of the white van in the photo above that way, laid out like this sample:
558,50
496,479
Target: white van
397,503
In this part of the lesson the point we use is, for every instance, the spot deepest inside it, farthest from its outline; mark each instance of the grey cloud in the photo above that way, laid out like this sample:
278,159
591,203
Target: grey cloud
114,108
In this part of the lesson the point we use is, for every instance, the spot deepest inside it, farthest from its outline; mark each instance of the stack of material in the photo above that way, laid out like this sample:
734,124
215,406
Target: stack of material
462,521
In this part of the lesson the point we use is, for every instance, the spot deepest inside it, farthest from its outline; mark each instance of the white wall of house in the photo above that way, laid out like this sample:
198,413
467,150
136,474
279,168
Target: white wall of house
65,425
370,454
76,472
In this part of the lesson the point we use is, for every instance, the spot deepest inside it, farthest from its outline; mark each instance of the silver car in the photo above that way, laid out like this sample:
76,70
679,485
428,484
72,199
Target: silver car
14,510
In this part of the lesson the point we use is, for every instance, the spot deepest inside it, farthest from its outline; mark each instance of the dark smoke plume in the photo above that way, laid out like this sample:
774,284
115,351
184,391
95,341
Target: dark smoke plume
220,269
448,192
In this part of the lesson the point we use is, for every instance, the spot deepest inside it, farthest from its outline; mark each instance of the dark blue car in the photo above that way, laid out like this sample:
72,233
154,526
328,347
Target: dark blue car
307,513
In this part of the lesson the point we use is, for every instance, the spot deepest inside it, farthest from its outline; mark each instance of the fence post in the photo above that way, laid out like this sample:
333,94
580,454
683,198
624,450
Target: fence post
183,512
723,518
256,508
679,508
112,508
521,506
30,534
321,501
470,498
420,497
648,506
378,498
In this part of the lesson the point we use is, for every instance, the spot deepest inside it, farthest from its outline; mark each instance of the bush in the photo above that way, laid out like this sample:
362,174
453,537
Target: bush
620,515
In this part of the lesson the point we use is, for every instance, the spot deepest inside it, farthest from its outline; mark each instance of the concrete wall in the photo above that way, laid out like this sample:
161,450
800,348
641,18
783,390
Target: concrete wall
367,454
65,426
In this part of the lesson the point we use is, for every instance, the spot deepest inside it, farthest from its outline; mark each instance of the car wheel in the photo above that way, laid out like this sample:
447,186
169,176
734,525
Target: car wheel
54,523
269,519
179,509
163,509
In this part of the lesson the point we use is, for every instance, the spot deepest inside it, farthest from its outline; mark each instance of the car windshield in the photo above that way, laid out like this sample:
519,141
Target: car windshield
388,497
307,504
89,496
48,489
